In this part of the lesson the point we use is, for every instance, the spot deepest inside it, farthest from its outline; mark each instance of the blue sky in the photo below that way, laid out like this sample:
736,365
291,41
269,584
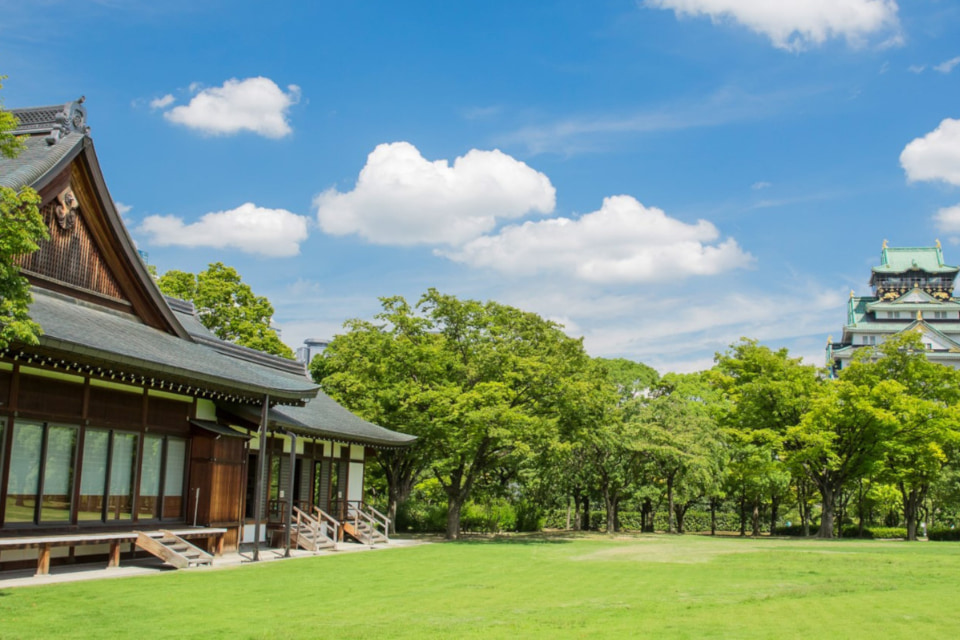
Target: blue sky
661,176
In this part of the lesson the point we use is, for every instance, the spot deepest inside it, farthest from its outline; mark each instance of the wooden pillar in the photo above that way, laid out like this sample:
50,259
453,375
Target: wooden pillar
114,560
43,560
290,481
261,474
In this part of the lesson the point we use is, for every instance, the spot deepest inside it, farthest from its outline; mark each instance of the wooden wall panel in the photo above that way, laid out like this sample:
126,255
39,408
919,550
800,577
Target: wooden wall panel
167,414
49,396
5,378
115,407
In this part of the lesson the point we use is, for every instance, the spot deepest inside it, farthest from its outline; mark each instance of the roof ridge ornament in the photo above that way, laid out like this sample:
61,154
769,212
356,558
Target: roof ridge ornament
884,244
73,119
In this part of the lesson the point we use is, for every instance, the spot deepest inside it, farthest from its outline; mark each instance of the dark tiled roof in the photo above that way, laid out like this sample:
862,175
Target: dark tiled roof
187,316
36,160
324,418
70,325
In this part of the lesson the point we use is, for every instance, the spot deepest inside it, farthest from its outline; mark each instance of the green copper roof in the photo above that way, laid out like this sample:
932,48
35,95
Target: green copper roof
902,259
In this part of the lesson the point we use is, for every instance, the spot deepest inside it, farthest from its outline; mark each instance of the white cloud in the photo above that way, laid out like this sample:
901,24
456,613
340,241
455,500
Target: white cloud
948,220
591,132
757,186
917,68
401,198
936,156
161,103
947,65
253,229
253,104
797,24
122,209
622,242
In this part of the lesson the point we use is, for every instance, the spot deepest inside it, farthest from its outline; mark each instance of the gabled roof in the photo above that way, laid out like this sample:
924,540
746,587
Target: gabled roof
93,334
894,260
58,138
933,333
914,300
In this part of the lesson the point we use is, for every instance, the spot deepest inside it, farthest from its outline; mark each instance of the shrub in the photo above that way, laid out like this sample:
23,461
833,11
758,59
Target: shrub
529,517
794,530
873,533
693,522
943,535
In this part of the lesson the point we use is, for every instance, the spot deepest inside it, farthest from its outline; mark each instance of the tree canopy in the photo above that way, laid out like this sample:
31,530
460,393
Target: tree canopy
227,306
21,229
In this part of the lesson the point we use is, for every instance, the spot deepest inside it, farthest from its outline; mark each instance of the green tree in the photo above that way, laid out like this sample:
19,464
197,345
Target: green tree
480,384
843,438
767,393
21,229
386,372
928,421
678,434
497,401
227,306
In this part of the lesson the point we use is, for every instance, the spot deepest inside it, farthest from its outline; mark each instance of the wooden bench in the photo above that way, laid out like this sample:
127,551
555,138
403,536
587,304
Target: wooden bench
46,543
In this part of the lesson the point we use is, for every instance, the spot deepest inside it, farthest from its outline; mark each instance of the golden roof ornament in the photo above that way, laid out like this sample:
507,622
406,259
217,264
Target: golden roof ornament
919,315
829,339
851,294
938,244
884,243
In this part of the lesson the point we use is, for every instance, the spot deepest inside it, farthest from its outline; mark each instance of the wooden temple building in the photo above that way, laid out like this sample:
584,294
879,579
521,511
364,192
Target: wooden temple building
130,418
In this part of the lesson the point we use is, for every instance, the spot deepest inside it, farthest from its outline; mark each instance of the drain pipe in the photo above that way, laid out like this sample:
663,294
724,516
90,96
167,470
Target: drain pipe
290,481
261,472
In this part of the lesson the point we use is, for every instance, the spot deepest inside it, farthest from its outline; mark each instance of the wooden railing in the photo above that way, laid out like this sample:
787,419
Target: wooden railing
303,522
277,509
358,513
329,526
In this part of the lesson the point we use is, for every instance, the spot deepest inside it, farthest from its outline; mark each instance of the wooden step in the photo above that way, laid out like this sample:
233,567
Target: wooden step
174,550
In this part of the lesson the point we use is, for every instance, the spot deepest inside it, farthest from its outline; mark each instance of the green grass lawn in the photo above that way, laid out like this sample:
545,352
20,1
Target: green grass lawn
522,587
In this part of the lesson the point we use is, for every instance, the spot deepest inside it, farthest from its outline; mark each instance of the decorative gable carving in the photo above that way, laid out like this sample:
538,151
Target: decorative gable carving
71,257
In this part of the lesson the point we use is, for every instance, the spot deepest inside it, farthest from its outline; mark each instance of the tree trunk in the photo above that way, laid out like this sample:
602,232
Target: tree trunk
826,519
401,473
616,514
774,513
743,516
803,507
911,507
454,505
755,519
671,522
713,516
608,505
567,524
577,520
585,514
681,510
860,508
644,510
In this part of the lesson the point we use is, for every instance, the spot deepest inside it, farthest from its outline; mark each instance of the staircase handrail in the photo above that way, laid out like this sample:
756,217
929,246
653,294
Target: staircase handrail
302,516
382,520
330,521
355,511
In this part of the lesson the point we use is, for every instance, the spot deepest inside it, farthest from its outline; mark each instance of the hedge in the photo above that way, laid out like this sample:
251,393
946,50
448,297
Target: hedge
873,533
943,534
694,521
